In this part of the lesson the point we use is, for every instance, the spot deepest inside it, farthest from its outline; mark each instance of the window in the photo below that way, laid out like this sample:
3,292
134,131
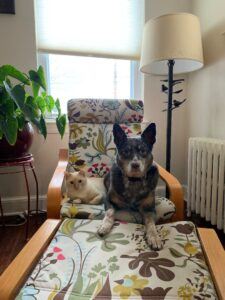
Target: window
89,77
90,48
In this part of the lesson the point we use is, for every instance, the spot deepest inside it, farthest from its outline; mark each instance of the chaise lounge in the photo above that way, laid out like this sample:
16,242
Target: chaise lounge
66,259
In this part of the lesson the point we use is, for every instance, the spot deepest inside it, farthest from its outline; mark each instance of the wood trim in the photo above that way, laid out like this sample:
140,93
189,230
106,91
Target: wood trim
54,195
215,257
175,191
17,272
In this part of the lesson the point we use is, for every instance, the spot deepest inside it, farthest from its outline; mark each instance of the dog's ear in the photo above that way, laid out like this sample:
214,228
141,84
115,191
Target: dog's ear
119,135
149,134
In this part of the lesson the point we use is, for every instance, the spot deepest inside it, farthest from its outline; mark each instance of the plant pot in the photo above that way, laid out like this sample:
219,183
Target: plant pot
22,145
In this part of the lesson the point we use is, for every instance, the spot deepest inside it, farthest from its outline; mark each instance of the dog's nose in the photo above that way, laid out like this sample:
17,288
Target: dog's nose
135,165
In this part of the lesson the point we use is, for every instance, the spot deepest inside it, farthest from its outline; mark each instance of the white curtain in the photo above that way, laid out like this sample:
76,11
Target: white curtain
104,28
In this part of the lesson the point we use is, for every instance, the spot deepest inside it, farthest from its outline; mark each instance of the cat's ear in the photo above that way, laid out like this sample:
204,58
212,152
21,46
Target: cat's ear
82,173
67,174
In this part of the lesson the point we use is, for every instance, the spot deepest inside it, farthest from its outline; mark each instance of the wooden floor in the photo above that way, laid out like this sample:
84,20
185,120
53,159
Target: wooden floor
12,239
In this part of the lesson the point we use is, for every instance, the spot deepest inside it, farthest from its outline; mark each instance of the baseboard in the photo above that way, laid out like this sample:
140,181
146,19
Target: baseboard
14,205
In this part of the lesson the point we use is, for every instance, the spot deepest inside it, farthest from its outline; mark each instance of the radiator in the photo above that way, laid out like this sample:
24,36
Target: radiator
206,168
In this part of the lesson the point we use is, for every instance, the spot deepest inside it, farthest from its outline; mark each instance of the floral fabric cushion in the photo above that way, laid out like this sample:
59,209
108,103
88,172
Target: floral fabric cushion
78,264
164,211
101,111
91,146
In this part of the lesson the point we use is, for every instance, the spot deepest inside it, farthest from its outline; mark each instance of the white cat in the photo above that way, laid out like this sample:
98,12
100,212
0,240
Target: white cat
83,189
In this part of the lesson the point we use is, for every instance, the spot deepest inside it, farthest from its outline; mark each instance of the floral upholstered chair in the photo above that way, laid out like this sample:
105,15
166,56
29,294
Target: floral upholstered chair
91,147
78,264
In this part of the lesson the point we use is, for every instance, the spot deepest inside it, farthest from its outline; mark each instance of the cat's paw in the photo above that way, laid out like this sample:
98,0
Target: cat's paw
154,241
77,201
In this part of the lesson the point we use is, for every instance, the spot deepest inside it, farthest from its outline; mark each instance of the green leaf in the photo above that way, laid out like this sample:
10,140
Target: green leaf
1,133
57,105
8,70
7,107
42,77
17,94
41,104
10,127
50,103
42,127
61,124
175,253
35,88
21,121
31,108
35,77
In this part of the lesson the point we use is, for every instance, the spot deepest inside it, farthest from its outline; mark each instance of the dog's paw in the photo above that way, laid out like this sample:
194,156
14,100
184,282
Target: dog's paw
154,242
103,230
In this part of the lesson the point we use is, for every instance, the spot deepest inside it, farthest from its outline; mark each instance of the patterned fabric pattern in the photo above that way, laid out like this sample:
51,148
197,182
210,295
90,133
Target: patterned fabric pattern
78,264
91,146
105,111
164,211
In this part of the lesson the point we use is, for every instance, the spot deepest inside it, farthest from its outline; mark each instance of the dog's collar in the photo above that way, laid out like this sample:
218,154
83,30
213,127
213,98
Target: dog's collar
135,179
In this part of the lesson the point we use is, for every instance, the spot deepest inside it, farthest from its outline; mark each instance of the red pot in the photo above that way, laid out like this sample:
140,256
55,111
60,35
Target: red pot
22,145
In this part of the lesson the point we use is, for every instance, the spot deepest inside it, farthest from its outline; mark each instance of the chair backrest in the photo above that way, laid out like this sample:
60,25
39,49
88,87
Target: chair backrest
91,144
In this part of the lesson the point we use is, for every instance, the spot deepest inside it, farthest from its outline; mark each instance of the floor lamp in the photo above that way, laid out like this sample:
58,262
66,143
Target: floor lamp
171,45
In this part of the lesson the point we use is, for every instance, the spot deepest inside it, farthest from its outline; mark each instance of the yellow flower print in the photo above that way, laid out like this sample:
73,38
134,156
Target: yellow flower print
129,285
185,292
190,249
76,130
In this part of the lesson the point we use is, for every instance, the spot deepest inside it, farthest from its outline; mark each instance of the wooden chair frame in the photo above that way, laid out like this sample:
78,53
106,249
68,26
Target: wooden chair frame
17,272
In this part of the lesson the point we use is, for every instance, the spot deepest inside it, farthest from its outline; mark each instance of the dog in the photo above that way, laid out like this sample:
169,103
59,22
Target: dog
132,180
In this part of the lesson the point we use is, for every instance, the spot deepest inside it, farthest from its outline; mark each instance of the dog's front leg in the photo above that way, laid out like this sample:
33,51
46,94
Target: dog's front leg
152,235
107,222
148,214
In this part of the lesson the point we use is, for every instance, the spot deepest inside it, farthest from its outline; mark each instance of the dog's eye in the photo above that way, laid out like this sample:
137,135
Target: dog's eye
142,151
71,182
79,181
126,152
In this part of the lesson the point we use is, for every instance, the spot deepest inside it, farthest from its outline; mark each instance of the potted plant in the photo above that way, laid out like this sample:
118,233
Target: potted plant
24,102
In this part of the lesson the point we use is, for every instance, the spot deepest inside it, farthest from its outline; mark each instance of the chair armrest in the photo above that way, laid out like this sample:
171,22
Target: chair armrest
215,257
175,192
17,272
54,195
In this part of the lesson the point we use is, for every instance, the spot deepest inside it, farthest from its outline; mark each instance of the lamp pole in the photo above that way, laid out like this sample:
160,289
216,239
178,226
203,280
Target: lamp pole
171,63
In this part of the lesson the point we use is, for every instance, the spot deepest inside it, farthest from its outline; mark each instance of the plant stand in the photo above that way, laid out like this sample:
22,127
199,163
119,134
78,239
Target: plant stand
21,165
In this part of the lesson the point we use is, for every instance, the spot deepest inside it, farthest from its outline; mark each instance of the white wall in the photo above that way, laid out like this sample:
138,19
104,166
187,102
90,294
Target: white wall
206,88
18,48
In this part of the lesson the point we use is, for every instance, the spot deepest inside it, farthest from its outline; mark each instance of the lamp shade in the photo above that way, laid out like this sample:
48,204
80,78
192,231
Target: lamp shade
172,37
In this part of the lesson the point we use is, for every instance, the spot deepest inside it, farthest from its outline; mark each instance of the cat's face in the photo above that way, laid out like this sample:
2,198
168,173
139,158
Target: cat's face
76,180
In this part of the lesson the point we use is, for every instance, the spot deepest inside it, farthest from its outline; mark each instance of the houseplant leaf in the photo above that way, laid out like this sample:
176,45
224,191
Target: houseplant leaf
10,127
8,70
61,124
17,94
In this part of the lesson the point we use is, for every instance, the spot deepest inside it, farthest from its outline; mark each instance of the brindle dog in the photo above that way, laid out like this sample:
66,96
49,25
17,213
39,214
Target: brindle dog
132,181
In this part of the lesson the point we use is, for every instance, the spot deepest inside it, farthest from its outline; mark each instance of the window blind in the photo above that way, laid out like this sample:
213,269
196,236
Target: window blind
102,28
